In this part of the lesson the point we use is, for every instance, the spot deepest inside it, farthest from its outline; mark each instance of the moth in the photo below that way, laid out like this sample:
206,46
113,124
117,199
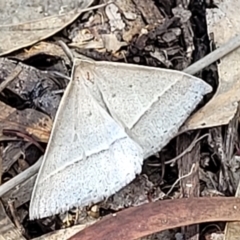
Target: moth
112,116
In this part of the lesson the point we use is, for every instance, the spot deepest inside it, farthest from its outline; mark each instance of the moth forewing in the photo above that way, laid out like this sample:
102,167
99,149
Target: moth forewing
88,157
152,103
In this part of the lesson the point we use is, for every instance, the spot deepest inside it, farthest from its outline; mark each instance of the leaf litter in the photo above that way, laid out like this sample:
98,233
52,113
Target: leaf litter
227,95
150,35
28,22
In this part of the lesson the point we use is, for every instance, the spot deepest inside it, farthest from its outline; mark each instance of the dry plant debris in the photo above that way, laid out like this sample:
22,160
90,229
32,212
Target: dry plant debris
168,34
138,222
28,23
227,96
8,229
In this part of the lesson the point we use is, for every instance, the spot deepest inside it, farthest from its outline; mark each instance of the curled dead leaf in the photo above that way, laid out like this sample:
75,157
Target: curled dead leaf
34,123
137,222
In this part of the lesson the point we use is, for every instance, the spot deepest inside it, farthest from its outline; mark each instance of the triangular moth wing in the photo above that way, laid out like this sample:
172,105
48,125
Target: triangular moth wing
88,157
152,103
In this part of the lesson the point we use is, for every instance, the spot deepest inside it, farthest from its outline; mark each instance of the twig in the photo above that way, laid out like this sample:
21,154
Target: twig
187,150
179,179
66,50
14,216
57,74
66,232
212,57
21,177
60,91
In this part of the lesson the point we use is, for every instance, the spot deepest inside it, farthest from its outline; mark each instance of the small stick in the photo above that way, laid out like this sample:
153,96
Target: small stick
187,150
66,50
21,177
179,179
212,57
15,217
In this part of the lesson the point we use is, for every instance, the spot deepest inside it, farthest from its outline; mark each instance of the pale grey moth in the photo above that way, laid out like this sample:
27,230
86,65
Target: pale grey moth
112,116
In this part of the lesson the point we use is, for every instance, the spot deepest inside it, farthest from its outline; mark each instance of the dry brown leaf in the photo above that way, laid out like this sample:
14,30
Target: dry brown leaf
34,123
136,222
164,235
7,228
222,107
23,23
49,48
